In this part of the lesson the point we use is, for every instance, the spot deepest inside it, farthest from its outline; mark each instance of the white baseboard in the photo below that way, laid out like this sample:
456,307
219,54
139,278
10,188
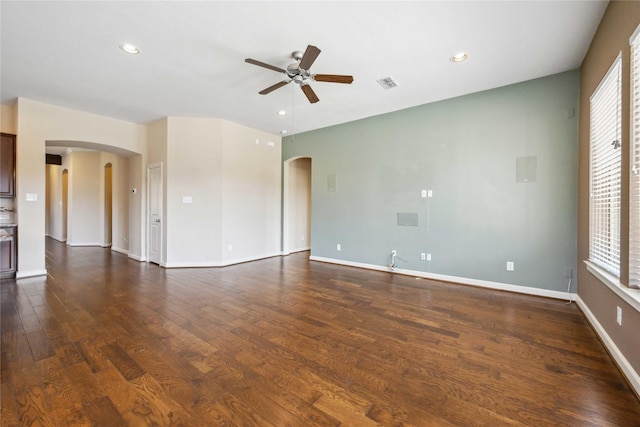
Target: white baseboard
455,279
136,257
119,250
58,238
306,248
30,273
622,362
218,263
98,244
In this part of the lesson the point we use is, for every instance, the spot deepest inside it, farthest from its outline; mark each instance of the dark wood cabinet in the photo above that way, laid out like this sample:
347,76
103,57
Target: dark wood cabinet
8,165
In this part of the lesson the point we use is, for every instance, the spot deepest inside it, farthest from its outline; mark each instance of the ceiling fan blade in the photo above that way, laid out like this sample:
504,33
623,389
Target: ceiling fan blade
333,78
274,87
309,57
311,95
262,64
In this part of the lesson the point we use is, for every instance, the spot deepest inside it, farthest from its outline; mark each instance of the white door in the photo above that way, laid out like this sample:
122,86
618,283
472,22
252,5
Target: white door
154,216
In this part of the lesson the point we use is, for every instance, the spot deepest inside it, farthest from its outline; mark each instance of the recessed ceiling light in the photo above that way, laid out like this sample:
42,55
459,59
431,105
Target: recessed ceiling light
129,48
459,57
282,113
283,132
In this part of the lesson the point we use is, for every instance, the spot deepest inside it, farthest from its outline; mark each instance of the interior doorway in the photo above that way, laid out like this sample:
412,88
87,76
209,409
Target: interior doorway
108,205
296,221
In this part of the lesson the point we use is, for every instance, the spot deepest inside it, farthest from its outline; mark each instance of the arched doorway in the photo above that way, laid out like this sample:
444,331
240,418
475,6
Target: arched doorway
65,203
296,221
108,205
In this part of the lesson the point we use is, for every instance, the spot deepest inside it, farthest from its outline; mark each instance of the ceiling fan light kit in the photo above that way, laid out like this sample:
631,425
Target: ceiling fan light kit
298,72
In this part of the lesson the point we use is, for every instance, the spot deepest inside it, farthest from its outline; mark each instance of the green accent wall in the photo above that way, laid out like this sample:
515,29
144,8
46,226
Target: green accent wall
465,150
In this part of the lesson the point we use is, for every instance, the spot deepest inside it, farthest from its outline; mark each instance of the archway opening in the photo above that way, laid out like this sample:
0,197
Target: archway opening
297,205
108,204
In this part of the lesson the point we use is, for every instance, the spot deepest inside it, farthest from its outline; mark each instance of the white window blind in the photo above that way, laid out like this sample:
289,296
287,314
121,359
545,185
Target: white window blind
605,180
634,181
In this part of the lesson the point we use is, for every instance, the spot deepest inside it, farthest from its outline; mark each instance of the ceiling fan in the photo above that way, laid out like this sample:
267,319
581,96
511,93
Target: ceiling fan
299,73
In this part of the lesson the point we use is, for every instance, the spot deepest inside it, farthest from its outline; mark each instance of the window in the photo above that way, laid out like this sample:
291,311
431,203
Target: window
634,181
605,179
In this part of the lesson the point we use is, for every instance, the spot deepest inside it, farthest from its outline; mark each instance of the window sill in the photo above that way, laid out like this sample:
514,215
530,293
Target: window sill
630,296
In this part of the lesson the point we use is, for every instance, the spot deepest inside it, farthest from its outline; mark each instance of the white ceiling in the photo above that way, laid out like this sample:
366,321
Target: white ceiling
192,54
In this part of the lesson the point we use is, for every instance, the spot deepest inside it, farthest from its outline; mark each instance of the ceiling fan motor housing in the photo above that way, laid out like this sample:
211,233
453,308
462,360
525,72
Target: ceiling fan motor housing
297,74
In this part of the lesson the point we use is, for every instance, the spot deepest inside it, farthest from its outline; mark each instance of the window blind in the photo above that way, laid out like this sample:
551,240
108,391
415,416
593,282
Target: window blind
634,181
605,172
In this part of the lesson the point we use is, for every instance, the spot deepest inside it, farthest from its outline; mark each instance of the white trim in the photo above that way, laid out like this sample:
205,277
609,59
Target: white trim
630,296
306,248
59,239
99,244
456,279
632,376
635,33
218,263
119,250
612,69
136,257
32,273
162,212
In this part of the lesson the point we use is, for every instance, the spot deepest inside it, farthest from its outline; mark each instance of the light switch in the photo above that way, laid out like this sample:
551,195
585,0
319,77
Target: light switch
187,199
430,193
423,193
32,197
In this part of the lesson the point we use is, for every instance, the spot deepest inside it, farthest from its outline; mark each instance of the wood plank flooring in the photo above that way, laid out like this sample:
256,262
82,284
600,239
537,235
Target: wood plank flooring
107,341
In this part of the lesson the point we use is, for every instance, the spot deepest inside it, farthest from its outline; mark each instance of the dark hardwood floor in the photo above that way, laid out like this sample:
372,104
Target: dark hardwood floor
107,341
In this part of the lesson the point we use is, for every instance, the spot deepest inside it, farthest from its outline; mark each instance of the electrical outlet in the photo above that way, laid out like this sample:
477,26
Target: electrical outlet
423,194
393,252
229,248
619,315
510,266
302,238
338,247
568,273
423,256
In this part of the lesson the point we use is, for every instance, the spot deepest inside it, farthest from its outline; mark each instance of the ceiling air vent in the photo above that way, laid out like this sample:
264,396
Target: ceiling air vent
387,82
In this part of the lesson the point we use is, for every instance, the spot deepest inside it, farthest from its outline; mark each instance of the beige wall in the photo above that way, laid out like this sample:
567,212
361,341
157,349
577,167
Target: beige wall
136,246
53,226
234,185
8,118
251,193
38,123
85,199
618,24
157,154
193,229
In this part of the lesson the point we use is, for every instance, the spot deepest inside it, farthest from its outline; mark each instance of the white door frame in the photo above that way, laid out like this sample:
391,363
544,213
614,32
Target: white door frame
160,220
